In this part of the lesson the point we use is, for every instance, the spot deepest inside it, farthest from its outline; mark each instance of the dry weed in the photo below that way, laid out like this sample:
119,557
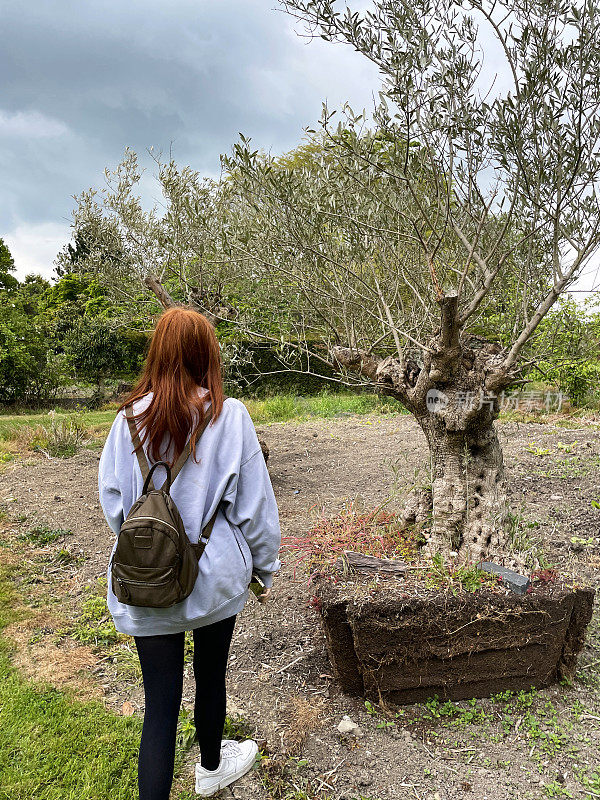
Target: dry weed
302,716
37,656
25,438
594,561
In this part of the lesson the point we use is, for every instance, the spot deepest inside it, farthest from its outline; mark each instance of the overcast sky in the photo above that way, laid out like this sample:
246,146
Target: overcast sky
82,81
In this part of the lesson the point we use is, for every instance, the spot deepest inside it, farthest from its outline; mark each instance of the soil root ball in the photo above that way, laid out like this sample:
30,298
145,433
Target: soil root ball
404,650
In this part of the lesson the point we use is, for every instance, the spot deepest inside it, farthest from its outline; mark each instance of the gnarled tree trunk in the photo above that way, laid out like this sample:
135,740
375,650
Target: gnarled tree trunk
468,490
455,397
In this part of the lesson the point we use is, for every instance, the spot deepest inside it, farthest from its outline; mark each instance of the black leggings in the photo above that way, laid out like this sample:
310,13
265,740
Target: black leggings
161,659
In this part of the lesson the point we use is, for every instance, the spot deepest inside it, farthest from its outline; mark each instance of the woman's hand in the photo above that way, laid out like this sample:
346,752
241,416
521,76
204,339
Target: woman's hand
264,595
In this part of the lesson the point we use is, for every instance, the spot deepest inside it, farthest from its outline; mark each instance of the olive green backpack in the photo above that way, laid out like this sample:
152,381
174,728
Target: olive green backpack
154,563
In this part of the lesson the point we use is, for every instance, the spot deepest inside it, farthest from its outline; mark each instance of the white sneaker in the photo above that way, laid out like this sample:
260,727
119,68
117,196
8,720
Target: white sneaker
237,759
225,742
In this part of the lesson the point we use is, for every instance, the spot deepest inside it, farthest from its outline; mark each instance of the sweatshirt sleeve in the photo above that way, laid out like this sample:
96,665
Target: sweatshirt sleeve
251,505
108,486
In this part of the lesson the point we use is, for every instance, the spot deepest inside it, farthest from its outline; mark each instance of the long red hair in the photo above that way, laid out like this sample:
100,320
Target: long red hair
183,355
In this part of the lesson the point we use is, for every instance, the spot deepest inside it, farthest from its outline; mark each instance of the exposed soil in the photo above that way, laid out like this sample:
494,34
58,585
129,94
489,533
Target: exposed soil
280,677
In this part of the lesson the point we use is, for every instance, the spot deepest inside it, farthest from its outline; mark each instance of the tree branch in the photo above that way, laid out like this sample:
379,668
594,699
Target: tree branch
159,291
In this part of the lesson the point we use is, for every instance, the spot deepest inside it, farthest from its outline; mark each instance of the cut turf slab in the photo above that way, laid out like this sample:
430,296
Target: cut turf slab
404,649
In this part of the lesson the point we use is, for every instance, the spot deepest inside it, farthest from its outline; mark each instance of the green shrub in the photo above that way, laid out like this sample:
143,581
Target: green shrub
235,728
95,626
574,377
65,436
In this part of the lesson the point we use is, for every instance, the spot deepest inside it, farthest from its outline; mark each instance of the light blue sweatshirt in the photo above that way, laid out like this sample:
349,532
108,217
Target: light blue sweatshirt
246,536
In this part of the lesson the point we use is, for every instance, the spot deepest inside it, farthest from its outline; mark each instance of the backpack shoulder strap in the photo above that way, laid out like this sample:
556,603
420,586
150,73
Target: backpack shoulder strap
187,449
198,548
139,450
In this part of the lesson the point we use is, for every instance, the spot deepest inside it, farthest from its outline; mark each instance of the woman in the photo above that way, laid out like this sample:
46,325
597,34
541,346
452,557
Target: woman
226,471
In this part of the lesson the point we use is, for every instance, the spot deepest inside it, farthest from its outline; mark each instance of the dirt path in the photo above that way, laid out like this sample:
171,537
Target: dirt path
279,674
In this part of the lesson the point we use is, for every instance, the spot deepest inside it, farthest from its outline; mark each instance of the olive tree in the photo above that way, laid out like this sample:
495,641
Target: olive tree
418,251
175,246
450,234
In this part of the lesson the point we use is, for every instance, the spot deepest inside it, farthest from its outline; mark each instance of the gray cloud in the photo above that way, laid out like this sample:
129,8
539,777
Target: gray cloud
80,82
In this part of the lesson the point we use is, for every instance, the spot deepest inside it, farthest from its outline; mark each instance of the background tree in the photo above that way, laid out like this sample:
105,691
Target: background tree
85,326
569,348
96,351
7,266
29,370
67,332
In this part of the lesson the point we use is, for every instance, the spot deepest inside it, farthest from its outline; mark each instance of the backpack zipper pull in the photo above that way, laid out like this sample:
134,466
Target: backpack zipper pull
124,588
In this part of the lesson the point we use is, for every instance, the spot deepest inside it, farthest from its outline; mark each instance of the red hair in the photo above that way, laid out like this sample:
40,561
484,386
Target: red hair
184,354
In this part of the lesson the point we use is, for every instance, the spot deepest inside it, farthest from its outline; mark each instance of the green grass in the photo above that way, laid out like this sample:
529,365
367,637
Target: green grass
284,407
30,427
11,424
54,748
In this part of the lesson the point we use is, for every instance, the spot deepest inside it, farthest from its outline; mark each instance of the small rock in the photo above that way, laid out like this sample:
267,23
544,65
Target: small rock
127,709
315,435
348,726
556,497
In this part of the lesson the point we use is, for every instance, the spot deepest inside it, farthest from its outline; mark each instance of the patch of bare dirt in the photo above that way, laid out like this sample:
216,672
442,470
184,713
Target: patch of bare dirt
38,656
278,655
